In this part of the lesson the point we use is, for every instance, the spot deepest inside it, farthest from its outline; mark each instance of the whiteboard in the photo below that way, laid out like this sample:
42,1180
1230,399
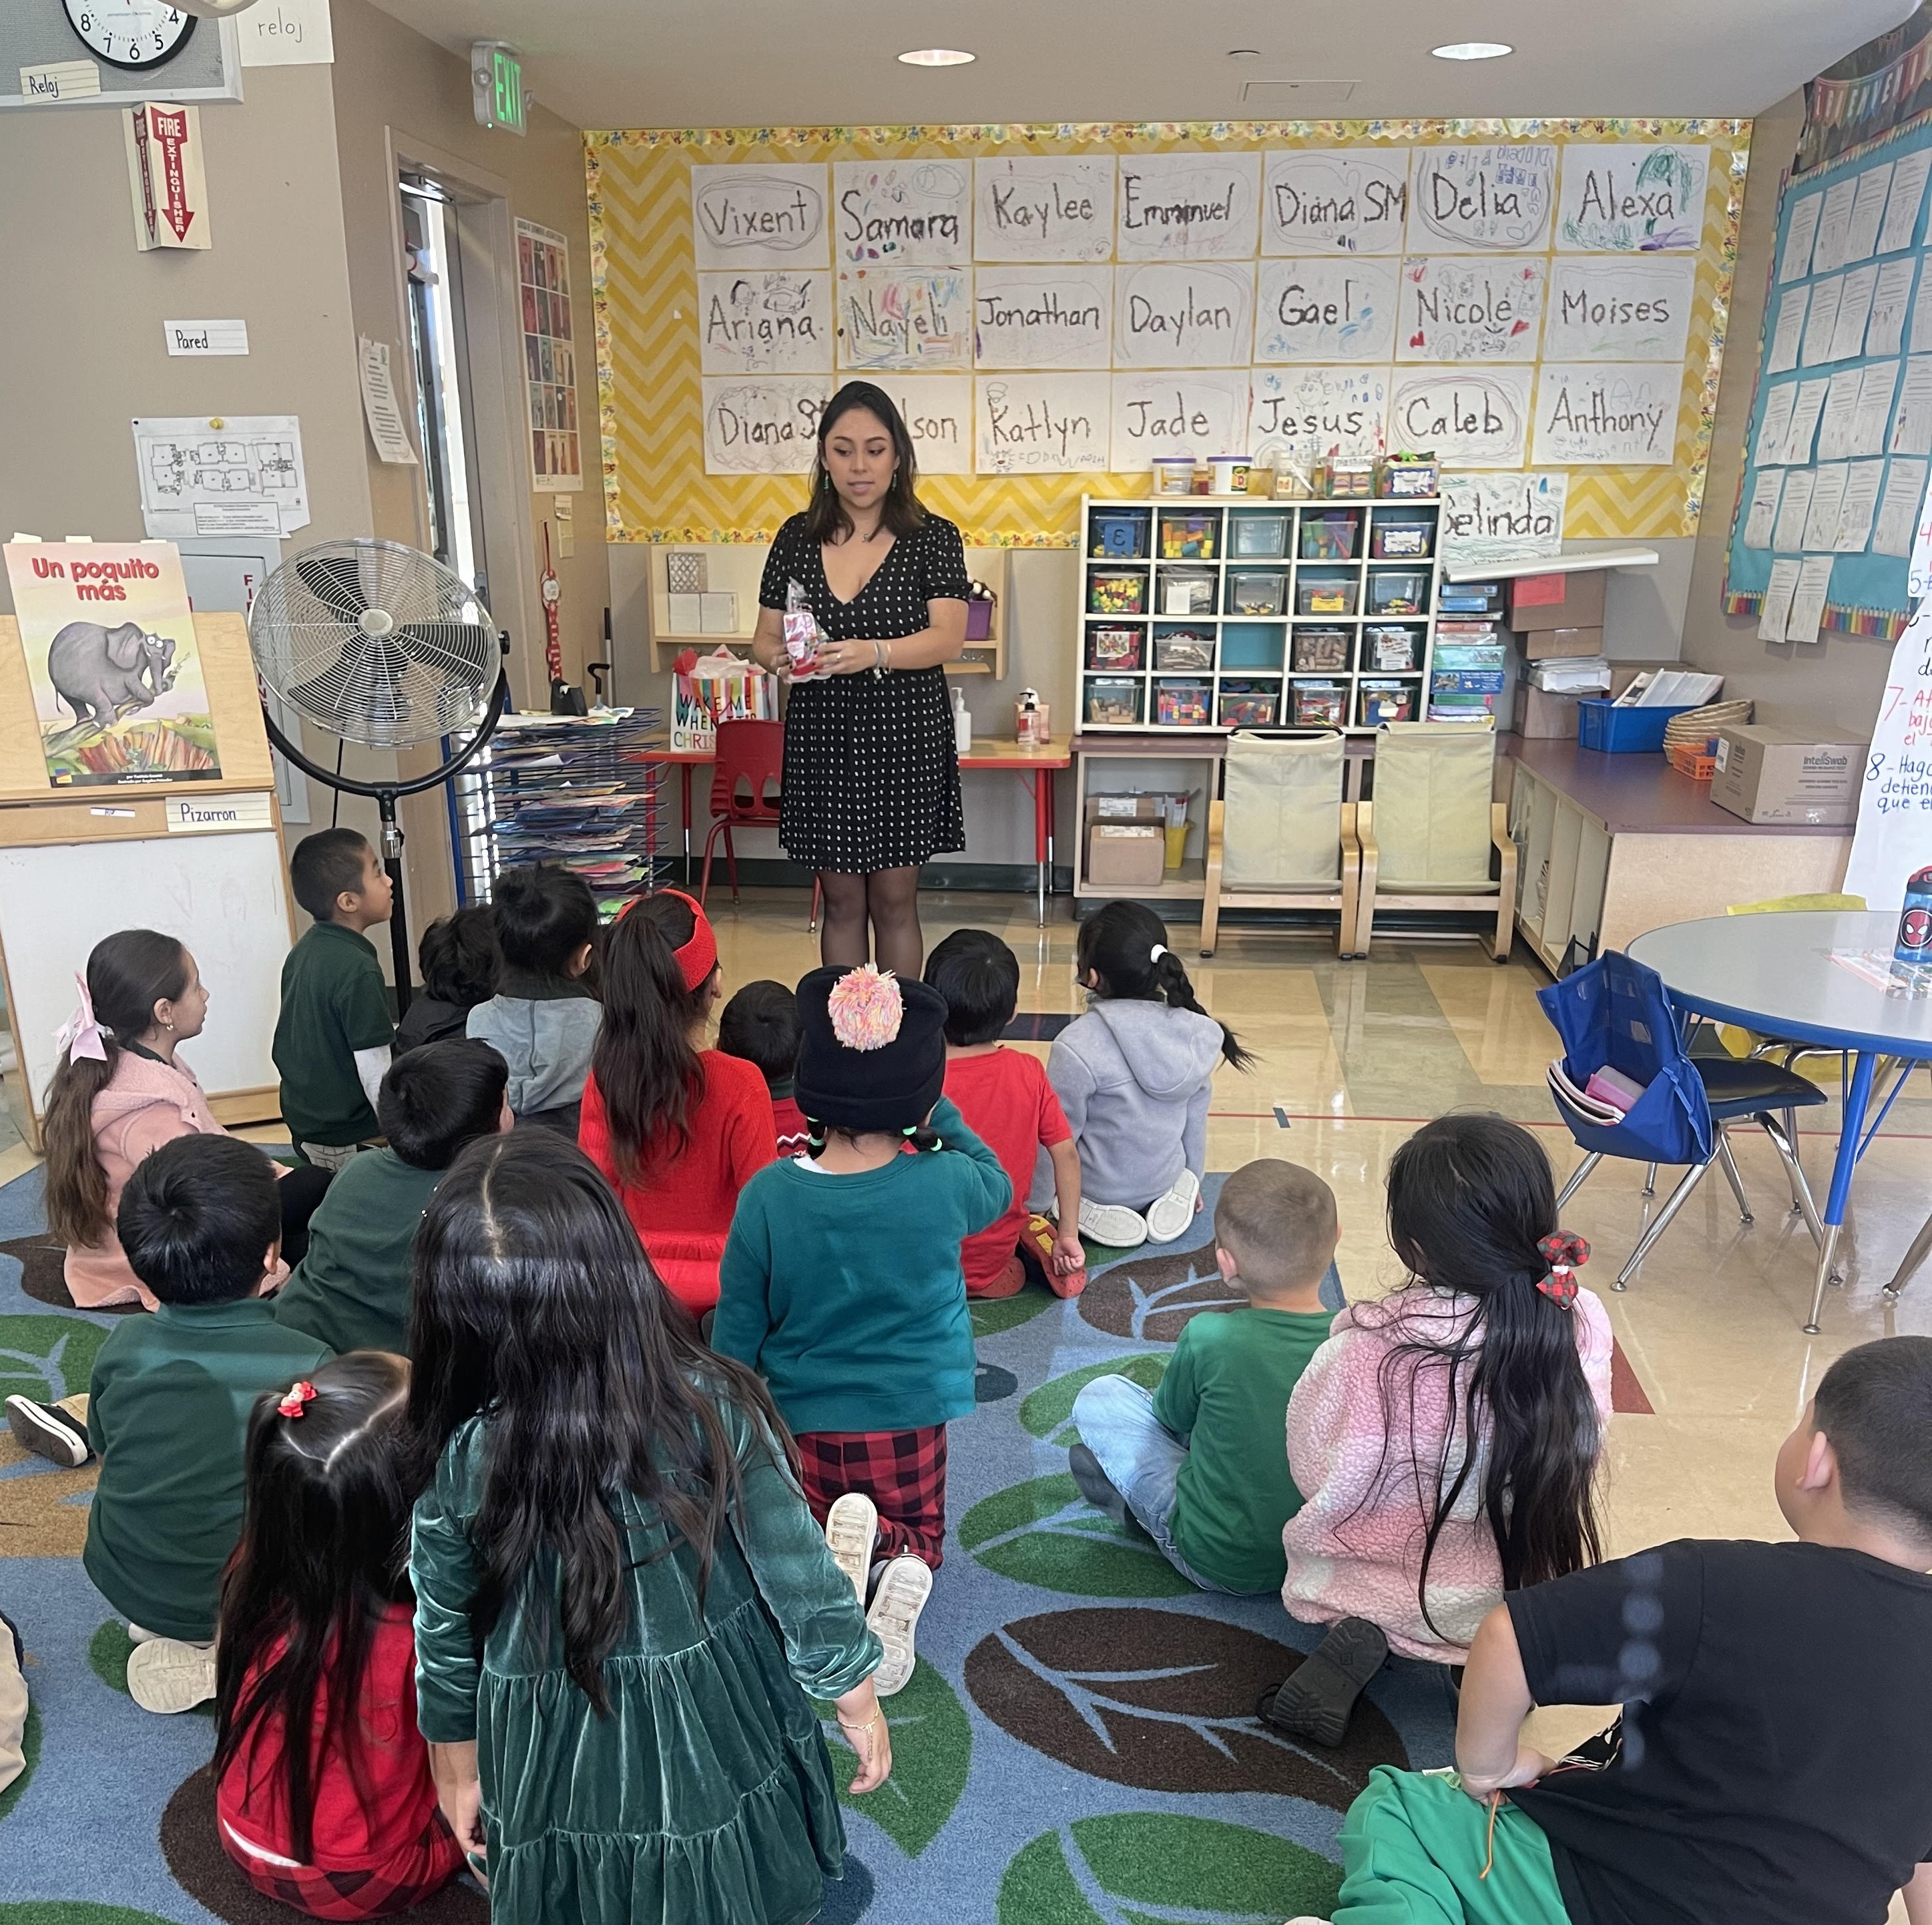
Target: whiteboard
225,896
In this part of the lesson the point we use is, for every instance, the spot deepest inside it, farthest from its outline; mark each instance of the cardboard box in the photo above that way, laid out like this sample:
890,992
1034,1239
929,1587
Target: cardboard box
1125,855
1545,644
1541,715
1768,774
1556,601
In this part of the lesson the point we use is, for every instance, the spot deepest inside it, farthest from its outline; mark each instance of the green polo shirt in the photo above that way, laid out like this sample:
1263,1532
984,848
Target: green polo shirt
333,1003
168,1416
351,1290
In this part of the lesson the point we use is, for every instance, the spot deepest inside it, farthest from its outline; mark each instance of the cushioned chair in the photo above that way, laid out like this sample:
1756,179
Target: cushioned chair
1280,836
1432,834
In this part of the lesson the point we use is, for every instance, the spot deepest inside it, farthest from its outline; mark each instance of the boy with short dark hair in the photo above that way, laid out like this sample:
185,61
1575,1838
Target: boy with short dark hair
1201,1464
543,1019
168,1404
1769,1767
333,1039
1004,1095
760,1026
458,959
352,1289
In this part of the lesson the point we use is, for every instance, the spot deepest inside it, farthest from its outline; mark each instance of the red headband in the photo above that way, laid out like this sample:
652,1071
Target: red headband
699,956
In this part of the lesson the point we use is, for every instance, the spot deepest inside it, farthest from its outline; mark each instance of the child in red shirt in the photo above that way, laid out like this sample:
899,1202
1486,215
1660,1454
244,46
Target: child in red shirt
1004,1095
760,1024
323,1788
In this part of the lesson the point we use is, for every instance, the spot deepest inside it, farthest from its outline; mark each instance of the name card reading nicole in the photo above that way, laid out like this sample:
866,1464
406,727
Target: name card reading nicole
1469,309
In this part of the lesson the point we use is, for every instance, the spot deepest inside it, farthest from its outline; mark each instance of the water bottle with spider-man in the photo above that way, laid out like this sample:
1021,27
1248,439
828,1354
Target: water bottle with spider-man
1913,952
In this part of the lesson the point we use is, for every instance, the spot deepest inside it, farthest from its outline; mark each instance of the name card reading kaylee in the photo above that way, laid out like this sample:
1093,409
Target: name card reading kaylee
1047,316
763,428
1331,309
1619,417
1640,199
768,321
1467,308
915,213
759,216
1038,207
904,318
937,410
1202,415
1191,314
1302,414
1188,206
1632,309
1334,200
1497,199
1042,424
1469,418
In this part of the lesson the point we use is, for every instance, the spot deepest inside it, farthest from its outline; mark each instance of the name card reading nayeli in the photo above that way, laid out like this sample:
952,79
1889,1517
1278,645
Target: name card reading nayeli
1042,424
1624,417
1043,207
1495,199
759,216
1188,207
193,815
1056,316
916,213
1329,309
1183,314
905,318
1335,200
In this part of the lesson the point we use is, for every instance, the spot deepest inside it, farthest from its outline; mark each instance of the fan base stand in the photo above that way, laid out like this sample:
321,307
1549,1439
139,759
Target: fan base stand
399,916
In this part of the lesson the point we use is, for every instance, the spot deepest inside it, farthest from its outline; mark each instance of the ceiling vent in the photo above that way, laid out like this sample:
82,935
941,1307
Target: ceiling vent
1297,97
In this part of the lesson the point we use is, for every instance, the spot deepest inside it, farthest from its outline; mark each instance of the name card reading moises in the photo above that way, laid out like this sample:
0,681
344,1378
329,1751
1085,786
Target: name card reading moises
1497,199
1612,309
759,216
1624,417
1188,206
1042,424
1334,200
1048,317
1469,418
1043,207
916,212
1326,309
1191,314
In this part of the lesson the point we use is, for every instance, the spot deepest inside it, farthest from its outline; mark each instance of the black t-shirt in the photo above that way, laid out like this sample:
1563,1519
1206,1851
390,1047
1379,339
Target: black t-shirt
1773,1767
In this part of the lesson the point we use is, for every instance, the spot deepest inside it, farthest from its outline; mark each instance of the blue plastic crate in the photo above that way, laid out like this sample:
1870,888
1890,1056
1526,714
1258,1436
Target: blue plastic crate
1623,731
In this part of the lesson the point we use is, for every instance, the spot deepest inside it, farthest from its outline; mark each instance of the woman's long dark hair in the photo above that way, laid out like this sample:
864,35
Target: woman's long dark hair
322,1550
827,517
127,973
1117,943
1469,1198
536,1307
648,1070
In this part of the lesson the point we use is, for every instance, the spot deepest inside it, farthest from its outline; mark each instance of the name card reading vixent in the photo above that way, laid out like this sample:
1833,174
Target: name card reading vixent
1188,206
1046,316
1043,207
194,814
759,216
765,321
1192,314
1334,200
918,213
1469,308
206,336
1329,309
1495,199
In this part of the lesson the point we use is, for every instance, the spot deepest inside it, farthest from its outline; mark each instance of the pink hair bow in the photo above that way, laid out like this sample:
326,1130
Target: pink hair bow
80,1035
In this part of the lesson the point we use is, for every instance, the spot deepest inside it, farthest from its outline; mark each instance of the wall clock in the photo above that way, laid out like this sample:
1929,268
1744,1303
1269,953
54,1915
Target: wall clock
130,34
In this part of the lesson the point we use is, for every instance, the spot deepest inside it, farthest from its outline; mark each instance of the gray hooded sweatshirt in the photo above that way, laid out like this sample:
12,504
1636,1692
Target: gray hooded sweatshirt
1133,1078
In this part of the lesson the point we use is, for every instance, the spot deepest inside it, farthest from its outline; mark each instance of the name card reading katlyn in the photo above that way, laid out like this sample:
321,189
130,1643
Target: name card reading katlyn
765,321
1624,417
915,213
1637,199
1334,200
1631,309
1047,316
1202,415
904,318
1188,206
759,216
1466,307
1043,207
1495,199
1303,414
1326,309
763,428
1042,424
938,409
1469,418
1190,314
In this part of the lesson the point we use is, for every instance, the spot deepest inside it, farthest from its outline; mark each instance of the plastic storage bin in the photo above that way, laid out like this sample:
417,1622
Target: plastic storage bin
1622,731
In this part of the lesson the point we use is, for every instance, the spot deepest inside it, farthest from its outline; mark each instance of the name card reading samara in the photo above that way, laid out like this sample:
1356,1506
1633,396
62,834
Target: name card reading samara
759,216
1497,199
916,212
1347,200
1188,206
1043,207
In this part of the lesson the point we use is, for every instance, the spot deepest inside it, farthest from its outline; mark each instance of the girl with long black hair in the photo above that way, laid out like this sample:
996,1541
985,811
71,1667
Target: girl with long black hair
622,1600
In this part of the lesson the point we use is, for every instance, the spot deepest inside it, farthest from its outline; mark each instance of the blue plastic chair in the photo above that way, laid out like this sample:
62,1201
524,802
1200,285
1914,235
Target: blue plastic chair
1615,1013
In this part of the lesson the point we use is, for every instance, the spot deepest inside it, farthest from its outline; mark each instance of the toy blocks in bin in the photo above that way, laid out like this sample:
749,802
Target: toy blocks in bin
1111,592
1182,704
1121,536
1249,704
707,690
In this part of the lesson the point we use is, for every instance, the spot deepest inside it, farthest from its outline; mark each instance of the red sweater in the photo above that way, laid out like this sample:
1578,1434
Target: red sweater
1005,1096
252,1798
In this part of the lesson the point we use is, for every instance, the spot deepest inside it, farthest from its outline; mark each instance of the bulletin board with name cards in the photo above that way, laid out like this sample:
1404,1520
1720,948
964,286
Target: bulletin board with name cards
1053,307
1839,443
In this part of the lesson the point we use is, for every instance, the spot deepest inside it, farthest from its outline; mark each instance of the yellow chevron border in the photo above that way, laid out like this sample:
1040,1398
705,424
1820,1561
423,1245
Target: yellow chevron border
644,292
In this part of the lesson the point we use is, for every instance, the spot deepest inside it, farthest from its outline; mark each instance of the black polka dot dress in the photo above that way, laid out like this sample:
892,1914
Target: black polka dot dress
872,781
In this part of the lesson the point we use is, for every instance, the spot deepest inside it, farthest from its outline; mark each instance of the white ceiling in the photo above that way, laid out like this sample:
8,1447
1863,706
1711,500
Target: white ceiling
737,63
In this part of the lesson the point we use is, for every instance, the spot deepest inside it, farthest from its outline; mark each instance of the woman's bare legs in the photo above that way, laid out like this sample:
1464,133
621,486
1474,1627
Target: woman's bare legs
892,897
841,929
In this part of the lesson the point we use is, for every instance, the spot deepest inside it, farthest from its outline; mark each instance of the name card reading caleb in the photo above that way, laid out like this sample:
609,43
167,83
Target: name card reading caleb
1474,418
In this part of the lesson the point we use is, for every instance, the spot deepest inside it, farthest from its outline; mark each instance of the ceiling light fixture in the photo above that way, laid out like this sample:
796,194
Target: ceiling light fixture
1472,49
936,56
1244,53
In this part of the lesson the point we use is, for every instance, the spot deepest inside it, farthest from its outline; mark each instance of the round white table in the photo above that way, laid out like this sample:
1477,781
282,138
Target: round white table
1776,973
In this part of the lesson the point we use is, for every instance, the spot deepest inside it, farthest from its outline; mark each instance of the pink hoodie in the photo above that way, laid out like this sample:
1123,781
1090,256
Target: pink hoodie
1355,1549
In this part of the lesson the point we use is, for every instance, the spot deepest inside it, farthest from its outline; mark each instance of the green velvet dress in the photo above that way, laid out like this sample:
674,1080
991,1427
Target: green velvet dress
706,1797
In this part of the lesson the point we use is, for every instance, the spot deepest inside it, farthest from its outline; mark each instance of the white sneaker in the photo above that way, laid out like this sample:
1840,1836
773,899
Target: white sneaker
1114,1224
166,1675
905,1585
48,1431
1170,1215
850,1526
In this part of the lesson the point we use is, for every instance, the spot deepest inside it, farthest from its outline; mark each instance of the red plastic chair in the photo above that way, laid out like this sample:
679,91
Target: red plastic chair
745,783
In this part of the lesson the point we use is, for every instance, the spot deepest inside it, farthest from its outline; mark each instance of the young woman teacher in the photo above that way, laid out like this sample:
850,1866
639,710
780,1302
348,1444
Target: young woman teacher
872,784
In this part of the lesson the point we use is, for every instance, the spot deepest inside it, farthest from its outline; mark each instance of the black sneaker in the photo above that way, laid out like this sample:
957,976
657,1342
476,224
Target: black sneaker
48,1431
1318,1699
1094,1485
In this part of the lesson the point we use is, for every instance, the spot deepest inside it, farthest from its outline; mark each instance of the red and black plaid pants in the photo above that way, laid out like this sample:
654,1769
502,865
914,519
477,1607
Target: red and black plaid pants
903,1472
416,1872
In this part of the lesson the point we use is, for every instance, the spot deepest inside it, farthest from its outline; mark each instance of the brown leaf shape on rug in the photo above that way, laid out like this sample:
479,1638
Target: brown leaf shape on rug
42,1263
1150,1298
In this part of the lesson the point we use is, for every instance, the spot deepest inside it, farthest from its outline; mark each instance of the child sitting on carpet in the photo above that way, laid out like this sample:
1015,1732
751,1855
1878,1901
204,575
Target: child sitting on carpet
679,1129
1133,1075
1199,1464
1004,1095
460,961
351,1290
841,1283
168,1409
1411,1528
323,1784
760,1026
1768,1767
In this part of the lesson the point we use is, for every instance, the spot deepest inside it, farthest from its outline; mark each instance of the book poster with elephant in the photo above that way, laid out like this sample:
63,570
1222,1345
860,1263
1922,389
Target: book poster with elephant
117,678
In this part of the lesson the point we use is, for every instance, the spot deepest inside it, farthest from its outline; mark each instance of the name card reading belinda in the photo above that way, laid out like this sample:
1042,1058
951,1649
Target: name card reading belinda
1619,417
1043,207
1326,309
1188,206
763,428
1042,424
1470,418
1334,200
904,318
1302,414
917,213
1503,518
1620,310
1173,414
1468,308
1639,198
1047,316
938,409
759,216
1497,199
768,321
1190,314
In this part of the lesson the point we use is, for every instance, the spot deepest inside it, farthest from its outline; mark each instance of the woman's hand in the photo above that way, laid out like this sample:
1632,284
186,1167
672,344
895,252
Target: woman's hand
459,1795
863,1722
848,658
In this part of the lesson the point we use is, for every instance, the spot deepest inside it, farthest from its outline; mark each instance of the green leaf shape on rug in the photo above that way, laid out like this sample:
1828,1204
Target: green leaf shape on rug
1151,1868
58,1911
932,1751
107,1652
1048,1412
46,1358
1044,1532
30,1750
992,1314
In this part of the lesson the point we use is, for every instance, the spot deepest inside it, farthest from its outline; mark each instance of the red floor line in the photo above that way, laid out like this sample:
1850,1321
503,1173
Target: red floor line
1322,1116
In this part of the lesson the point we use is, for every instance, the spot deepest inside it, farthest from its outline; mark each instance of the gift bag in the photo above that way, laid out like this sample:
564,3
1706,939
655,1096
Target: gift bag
707,690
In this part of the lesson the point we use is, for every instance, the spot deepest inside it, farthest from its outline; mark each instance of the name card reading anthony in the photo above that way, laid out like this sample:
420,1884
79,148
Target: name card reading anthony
1190,314
1495,199
1043,207
1047,316
1334,200
1470,418
1469,308
1188,206
1042,424
765,321
1624,417
913,213
1328,309
759,216
1644,198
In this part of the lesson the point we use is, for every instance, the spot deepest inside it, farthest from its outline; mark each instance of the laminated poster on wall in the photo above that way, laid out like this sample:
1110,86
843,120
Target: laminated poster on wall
236,474
119,695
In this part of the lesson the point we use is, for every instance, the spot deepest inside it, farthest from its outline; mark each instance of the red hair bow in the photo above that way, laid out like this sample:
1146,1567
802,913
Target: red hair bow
301,1393
1563,1253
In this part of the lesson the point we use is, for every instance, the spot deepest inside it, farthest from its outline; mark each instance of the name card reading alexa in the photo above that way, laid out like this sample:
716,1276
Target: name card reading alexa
765,321
1326,309
759,216
1335,200
1638,198
1043,207
913,213
1187,207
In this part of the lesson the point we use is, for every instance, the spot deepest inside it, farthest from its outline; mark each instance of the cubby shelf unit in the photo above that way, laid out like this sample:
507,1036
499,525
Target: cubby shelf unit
1271,572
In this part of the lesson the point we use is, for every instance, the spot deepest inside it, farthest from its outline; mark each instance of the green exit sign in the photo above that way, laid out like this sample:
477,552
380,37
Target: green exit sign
496,79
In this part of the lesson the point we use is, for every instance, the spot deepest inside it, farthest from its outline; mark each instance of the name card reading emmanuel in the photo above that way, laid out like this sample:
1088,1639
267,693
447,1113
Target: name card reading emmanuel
1188,206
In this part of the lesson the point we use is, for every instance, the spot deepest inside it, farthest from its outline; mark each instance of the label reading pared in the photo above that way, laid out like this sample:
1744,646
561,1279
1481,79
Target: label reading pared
1495,199
1327,309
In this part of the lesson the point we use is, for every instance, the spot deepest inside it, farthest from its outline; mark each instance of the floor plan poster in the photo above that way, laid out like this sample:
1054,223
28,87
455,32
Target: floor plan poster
111,655
550,360
237,474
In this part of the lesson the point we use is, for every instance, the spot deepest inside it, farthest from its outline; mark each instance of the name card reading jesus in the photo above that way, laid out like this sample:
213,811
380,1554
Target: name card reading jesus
758,216
1188,206
1496,200
1303,414
1334,200
1043,207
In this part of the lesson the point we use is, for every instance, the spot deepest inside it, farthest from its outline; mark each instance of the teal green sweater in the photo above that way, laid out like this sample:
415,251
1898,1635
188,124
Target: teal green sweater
846,1292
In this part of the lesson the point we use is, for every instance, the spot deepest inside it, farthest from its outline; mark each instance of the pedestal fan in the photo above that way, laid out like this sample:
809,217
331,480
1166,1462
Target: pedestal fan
386,648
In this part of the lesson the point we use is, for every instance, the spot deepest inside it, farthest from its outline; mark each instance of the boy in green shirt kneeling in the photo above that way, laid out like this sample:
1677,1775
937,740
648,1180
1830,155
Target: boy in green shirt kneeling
1201,1464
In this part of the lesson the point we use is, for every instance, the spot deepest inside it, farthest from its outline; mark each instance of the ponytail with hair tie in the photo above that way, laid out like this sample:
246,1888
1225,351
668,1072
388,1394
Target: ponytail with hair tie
1125,945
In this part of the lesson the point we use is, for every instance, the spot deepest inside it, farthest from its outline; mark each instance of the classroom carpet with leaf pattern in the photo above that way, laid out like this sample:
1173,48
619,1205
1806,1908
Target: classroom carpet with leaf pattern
1078,1745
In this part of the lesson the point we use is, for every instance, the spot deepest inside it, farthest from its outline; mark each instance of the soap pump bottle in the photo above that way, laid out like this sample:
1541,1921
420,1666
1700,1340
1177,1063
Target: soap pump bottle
962,724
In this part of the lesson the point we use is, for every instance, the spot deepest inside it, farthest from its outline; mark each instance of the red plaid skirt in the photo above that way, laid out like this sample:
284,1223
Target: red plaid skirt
903,1472
418,1872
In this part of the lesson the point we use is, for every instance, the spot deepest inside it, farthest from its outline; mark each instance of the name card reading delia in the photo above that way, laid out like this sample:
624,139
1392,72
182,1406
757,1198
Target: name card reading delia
1188,206
1043,207
1191,314
1470,418
1335,199
1302,414
762,427
1623,417
918,213
759,216
1329,309
1047,316
765,321
1042,424
1469,308
1172,414
1495,199
1632,199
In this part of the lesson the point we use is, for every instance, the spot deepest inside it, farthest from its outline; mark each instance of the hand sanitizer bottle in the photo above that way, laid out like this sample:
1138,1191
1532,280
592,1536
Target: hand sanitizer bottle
962,724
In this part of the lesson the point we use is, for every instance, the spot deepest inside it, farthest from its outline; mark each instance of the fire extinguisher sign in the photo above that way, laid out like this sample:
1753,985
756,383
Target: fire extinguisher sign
165,175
